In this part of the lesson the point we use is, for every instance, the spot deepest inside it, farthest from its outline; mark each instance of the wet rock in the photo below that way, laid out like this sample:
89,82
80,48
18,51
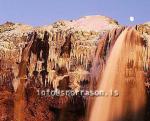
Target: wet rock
61,57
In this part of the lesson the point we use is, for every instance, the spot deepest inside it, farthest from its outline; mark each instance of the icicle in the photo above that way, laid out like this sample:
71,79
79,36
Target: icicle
51,53
41,54
81,58
16,82
51,76
86,64
74,53
39,66
33,61
20,53
78,57
15,70
68,65
61,62
55,83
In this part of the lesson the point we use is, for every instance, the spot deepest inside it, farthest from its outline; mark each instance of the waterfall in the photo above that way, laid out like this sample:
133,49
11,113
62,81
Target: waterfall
19,103
126,56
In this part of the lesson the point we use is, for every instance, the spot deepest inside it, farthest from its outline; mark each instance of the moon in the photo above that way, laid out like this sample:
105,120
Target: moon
131,18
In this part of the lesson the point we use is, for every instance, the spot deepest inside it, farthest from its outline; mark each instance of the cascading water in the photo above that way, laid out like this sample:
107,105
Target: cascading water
19,103
123,72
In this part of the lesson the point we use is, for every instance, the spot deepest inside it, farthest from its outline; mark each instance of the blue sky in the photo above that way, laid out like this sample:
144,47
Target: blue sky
43,12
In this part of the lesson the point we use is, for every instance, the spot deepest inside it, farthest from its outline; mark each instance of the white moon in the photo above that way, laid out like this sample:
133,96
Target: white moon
131,18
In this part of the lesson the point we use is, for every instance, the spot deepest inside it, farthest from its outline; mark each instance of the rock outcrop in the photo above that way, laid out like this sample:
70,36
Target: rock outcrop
60,57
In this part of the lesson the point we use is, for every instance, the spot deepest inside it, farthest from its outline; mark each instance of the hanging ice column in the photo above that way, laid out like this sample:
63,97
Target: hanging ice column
16,80
20,53
33,63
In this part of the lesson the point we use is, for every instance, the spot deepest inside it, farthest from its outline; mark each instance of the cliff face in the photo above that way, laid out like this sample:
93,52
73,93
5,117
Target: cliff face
71,43
60,58
57,56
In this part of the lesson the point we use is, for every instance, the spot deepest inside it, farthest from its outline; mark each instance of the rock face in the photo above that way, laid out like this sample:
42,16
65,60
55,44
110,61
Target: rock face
60,57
